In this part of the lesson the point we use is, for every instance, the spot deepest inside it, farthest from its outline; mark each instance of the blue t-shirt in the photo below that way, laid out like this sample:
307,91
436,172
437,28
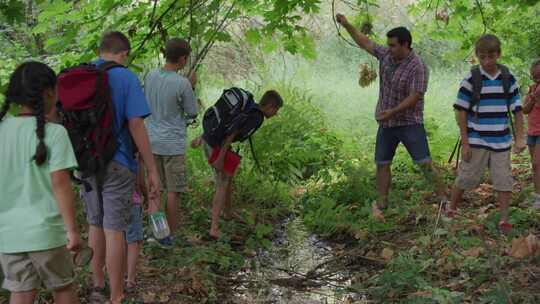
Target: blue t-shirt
129,102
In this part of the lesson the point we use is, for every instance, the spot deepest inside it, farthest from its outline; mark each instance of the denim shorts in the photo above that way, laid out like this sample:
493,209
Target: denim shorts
134,232
533,140
414,139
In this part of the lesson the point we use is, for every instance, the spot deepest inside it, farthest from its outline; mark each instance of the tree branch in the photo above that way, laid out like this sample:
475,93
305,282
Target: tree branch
484,22
152,29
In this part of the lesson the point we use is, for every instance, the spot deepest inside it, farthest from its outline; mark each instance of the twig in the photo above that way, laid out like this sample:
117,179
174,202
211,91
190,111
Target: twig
152,29
153,12
484,22
210,43
438,216
337,26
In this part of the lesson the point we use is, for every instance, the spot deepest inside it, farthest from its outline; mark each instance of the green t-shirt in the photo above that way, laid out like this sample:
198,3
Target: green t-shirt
29,215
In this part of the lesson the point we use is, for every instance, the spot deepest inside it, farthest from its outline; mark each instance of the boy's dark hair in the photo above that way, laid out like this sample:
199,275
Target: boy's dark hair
488,43
114,42
402,34
271,97
535,64
176,48
25,88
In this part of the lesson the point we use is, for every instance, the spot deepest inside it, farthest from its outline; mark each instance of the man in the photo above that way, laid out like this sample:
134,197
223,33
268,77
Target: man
400,109
108,216
172,102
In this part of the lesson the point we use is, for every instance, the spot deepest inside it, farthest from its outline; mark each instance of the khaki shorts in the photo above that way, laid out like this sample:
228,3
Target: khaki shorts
220,178
26,271
172,172
470,173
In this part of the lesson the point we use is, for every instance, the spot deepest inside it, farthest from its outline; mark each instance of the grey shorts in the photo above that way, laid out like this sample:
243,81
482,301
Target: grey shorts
27,271
115,210
134,233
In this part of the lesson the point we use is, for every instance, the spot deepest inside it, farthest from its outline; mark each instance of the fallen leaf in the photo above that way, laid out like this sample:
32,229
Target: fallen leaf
387,254
164,298
149,297
376,212
520,249
473,252
361,235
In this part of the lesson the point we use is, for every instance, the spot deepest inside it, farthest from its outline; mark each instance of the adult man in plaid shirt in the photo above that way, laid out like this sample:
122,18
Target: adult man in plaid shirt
400,109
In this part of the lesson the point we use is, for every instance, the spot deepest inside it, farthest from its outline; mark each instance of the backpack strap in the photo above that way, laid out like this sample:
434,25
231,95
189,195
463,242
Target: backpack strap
108,65
253,154
476,77
505,79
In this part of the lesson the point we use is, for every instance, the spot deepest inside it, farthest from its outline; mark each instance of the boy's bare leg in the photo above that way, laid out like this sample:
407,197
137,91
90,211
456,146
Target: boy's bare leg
96,240
173,203
26,297
66,295
227,211
456,197
115,254
535,160
132,258
217,207
504,199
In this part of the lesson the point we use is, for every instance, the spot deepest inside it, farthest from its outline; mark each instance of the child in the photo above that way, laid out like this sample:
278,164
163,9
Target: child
37,202
531,106
231,129
483,121
134,233
172,103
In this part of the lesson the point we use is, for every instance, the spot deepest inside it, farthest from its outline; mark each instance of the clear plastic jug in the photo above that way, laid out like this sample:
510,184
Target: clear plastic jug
159,225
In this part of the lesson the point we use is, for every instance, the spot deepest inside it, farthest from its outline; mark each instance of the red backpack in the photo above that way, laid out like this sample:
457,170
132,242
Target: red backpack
86,110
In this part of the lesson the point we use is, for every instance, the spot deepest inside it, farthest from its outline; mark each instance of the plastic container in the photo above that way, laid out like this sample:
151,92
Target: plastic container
159,226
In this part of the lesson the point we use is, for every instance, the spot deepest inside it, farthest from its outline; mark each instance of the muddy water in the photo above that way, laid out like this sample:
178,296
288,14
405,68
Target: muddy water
294,271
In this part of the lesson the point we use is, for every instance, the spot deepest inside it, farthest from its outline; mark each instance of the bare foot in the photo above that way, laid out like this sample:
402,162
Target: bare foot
215,234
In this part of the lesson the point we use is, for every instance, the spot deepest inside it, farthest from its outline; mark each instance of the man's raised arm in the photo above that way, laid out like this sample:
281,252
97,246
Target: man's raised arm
362,40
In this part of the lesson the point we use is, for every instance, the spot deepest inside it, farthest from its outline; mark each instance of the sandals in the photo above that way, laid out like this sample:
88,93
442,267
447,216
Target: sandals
98,295
131,287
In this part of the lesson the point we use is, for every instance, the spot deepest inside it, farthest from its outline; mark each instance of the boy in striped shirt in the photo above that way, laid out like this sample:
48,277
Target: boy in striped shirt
484,124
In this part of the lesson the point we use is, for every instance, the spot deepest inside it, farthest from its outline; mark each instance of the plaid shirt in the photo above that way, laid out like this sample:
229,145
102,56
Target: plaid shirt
397,82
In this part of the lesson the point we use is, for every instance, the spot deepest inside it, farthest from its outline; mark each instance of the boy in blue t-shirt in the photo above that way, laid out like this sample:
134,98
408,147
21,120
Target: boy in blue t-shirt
484,127
108,217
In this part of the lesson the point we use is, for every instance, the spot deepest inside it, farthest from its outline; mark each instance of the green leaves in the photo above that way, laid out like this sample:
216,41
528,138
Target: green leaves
12,11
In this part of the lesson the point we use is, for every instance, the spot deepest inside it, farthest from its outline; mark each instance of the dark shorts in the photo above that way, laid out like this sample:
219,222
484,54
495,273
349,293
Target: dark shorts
114,211
413,138
533,140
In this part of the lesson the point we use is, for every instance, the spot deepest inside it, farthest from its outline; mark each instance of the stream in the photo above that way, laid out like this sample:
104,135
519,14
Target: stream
295,270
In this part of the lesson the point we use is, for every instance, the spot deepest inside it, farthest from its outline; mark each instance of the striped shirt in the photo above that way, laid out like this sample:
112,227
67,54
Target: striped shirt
488,124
